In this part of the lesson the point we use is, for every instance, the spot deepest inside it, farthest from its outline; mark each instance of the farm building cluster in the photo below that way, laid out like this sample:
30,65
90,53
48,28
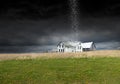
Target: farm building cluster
74,46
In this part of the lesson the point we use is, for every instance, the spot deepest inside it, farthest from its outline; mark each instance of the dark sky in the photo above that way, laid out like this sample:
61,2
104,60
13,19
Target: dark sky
47,22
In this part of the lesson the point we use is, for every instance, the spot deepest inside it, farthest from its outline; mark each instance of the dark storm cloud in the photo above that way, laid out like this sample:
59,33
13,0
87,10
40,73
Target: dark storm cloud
27,32
32,9
108,45
47,22
50,8
51,31
98,8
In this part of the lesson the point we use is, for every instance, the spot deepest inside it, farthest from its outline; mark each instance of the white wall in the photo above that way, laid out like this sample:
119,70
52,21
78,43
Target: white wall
62,48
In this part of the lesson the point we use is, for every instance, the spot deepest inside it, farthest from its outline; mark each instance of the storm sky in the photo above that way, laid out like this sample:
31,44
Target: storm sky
47,22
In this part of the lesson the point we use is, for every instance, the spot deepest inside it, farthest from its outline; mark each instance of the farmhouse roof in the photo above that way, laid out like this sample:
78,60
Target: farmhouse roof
87,44
70,43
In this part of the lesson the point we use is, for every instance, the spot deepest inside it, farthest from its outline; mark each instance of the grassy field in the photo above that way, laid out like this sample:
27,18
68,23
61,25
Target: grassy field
90,68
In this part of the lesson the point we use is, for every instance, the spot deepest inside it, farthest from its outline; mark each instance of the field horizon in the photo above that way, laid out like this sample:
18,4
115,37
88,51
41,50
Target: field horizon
97,53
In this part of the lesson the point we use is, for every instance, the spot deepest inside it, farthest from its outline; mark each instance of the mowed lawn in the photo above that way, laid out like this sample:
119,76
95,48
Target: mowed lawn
92,70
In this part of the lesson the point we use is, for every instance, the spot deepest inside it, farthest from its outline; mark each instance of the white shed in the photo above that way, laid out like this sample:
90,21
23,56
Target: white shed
88,46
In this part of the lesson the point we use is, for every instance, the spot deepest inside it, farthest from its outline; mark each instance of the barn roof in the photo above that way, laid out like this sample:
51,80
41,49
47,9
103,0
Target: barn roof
87,44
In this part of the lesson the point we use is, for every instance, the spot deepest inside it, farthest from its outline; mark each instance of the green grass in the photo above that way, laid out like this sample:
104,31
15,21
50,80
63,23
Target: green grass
61,71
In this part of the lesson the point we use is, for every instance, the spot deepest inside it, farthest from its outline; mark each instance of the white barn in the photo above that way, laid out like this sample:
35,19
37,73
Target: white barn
75,46
88,46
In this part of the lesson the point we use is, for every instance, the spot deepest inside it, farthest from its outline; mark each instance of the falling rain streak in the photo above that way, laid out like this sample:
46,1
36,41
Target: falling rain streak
74,16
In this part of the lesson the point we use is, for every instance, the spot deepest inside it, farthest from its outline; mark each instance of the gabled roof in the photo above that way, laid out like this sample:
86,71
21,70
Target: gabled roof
70,43
87,44
76,43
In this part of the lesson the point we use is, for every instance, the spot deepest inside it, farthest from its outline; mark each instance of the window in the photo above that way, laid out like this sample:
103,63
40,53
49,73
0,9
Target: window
59,50
63,50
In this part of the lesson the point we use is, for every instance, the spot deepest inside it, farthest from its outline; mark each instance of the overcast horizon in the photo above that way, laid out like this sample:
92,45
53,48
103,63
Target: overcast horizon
44,23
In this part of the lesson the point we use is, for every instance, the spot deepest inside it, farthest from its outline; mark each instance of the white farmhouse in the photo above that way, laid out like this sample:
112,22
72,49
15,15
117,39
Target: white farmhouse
75,46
